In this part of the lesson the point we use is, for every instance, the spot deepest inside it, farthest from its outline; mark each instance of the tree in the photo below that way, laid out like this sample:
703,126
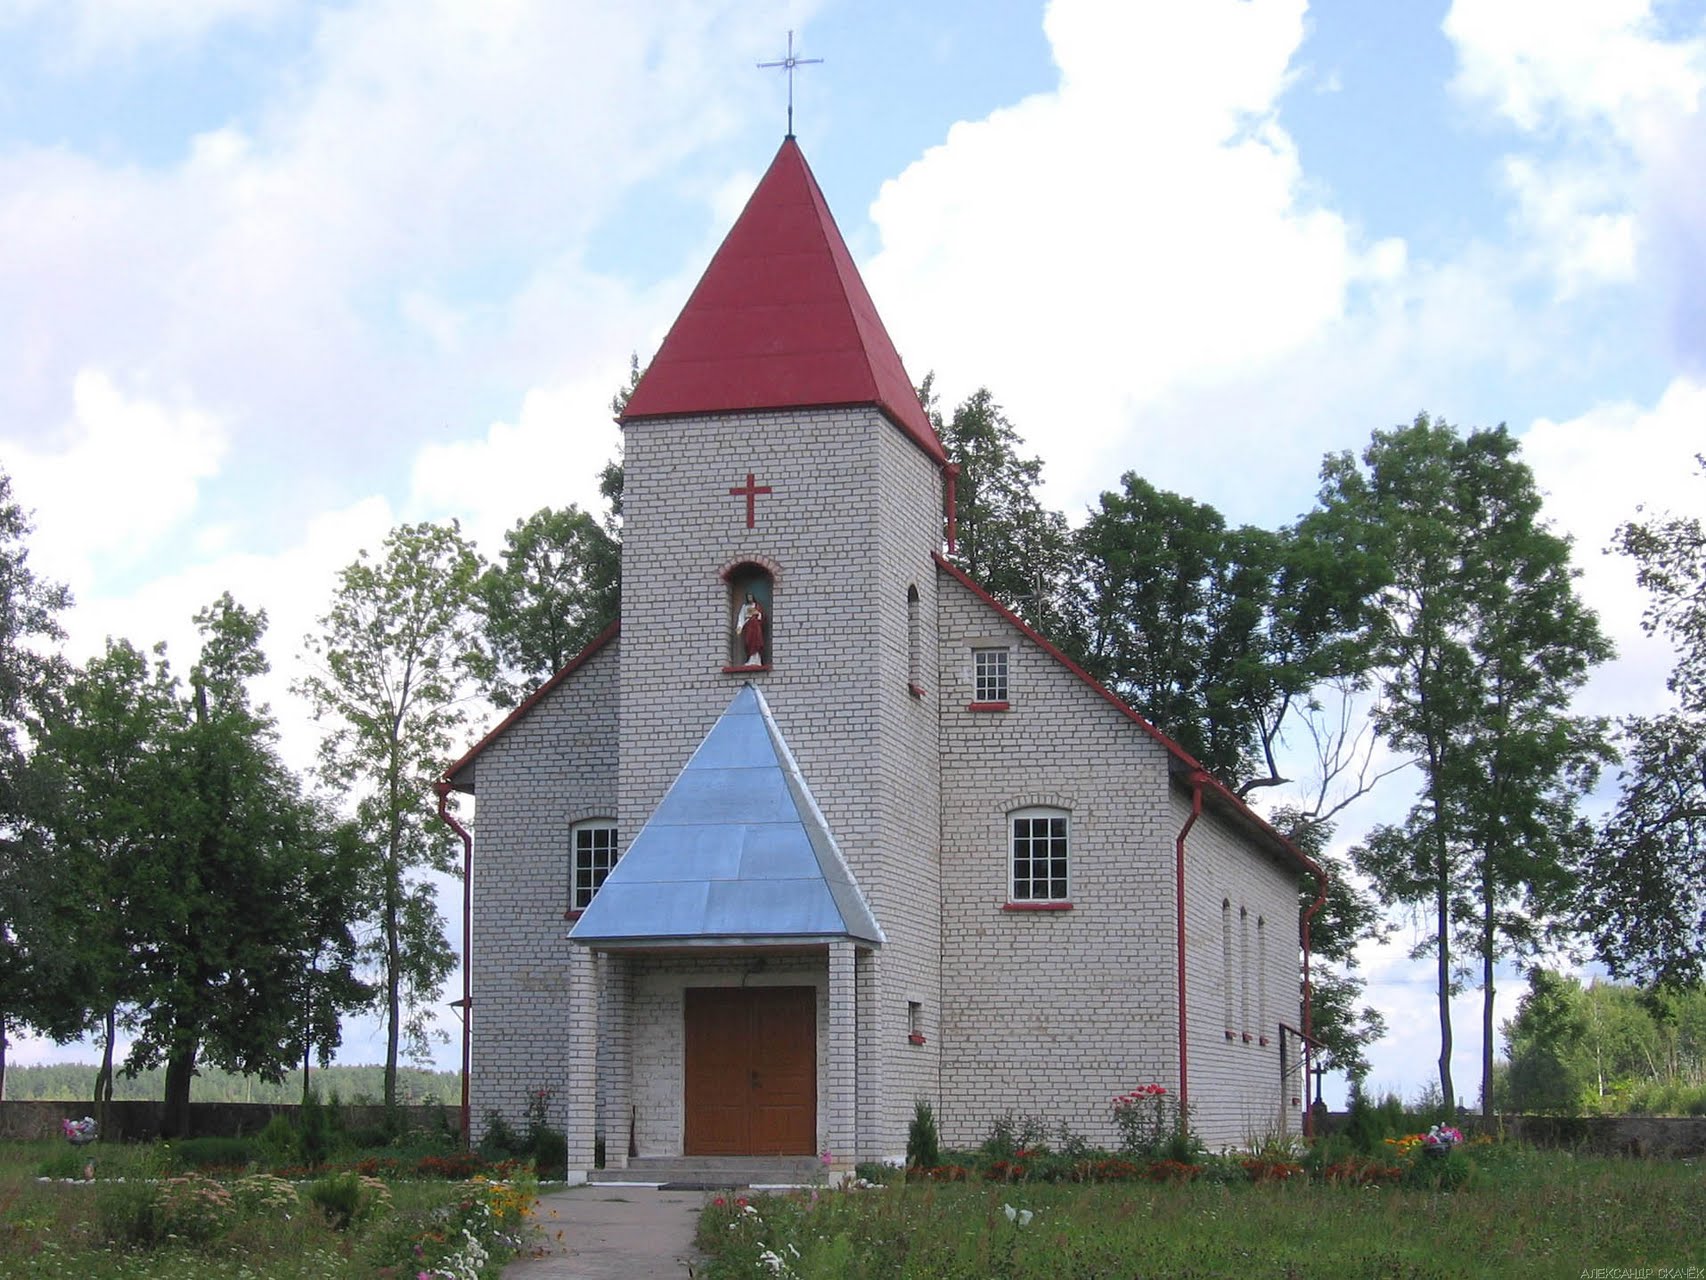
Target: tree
557,584
179,860
1480,642
31,672
397,658
1542,1043
1644,887
1005,538
222,948
104,753
1220,636
1347,917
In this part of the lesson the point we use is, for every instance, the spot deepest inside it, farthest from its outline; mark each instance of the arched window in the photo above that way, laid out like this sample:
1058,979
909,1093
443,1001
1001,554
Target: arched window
592,853
1261,980
1244,967
751,598
1040,839
1226,963
914,644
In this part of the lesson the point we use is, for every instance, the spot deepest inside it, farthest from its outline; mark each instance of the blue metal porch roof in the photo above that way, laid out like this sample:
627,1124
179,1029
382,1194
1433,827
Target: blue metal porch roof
737,852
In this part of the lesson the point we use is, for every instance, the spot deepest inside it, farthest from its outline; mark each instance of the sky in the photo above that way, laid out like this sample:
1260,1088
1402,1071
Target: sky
277,276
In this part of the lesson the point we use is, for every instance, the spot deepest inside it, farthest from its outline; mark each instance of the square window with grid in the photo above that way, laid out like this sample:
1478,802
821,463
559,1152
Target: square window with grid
595,855
989,669
1039,857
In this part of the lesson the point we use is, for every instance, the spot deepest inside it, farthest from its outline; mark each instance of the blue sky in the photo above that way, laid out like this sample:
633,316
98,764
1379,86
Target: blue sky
277,276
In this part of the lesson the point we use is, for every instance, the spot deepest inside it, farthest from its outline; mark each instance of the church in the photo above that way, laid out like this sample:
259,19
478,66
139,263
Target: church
819,829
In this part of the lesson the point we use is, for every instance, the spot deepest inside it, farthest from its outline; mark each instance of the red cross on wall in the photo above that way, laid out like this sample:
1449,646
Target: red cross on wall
750,493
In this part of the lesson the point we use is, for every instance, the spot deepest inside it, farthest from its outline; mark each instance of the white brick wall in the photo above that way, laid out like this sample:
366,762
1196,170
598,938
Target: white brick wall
1042,1013
553,767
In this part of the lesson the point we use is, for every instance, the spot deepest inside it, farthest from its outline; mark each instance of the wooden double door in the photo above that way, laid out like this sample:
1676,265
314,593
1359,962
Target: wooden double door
751,1071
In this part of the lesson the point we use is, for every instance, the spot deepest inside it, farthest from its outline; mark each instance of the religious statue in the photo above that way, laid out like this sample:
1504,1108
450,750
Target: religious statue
750,627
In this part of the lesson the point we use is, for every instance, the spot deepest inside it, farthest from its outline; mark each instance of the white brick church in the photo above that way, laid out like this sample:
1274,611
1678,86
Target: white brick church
818,828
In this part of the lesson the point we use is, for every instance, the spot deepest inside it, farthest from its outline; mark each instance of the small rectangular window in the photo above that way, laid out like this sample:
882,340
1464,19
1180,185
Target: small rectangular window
595,854
989,670
1039,857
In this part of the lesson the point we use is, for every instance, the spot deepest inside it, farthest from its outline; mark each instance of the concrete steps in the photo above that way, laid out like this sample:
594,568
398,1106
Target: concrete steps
709,1173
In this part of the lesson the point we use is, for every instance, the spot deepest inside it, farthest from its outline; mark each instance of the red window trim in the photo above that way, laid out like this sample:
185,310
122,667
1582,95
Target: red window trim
1050,905
736,671
574,913
915,689
986,706
916,1037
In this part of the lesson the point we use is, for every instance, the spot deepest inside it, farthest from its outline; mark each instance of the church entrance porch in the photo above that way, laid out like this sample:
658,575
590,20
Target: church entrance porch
750,1071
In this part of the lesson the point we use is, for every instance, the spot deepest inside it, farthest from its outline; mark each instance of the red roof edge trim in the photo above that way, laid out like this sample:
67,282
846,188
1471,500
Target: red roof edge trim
530,701
1184,758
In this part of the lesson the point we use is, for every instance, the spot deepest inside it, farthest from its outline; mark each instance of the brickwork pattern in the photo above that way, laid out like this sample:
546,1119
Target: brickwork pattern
851,523
553,767
1049,1013
1235,1080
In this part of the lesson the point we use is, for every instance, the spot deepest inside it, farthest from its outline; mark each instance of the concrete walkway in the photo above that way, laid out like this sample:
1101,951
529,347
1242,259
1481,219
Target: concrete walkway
604,1232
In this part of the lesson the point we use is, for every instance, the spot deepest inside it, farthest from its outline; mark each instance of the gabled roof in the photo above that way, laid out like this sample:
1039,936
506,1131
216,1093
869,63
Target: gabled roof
459,775
737,852
781,320
1181,762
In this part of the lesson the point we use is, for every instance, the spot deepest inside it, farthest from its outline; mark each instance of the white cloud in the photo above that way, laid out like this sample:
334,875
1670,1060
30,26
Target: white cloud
1599,469
130,471
103,30
1096,264
1609,105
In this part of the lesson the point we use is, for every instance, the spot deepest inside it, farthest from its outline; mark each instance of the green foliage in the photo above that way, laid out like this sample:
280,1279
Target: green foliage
349,1199
398,655
1643,899
38,980
1518,1213
557,583
216,1153
1005,539
1373,1120
923,1147
1153,1126
1480,642
315,1134
1605,1048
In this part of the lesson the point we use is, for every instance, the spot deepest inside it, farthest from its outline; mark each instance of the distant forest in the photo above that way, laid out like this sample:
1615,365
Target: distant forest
75,1082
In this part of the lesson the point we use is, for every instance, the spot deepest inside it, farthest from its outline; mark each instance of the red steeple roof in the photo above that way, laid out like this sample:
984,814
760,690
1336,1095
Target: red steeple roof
781,320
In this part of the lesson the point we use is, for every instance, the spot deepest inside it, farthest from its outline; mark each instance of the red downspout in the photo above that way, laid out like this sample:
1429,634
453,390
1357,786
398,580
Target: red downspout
442,786
951,471
1197,779
1309,996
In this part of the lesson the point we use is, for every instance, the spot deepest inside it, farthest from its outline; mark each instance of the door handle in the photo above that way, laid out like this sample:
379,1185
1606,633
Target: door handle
754,1081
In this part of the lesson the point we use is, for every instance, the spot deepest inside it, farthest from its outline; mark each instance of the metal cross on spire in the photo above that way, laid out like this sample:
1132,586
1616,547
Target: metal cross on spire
788,64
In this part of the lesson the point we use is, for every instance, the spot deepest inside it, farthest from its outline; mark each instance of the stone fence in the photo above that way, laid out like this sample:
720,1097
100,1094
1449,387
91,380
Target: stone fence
140,1121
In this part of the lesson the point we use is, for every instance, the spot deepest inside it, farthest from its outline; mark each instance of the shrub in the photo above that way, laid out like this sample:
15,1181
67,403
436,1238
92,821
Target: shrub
262,1195
457,1168
314,1139
1153,1126
278,1140
349,1199
192,1207
499,1142
923,1147
216,1153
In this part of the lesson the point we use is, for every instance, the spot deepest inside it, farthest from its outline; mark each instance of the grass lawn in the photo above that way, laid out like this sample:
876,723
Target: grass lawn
142,1218
1519,1212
